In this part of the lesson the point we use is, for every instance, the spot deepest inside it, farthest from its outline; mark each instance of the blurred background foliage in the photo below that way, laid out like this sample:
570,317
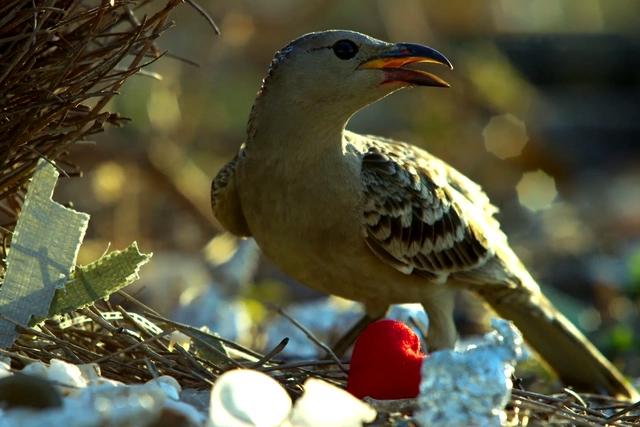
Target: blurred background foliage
543,111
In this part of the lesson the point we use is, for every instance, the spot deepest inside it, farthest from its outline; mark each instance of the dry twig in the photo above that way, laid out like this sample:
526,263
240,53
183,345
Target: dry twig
60,64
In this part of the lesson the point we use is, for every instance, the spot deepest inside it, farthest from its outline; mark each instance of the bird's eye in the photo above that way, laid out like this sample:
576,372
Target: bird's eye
345,49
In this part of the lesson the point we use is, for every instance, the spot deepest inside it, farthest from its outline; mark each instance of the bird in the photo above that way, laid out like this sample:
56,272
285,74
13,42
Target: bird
376,220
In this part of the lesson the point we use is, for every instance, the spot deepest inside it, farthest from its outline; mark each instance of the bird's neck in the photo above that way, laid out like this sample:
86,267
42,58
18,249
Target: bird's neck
286,123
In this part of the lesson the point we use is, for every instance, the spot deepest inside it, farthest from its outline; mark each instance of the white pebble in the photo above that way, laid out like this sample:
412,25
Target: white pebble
179,338
246,398
169,386
37,369
323,404
5,368
92,374
66,374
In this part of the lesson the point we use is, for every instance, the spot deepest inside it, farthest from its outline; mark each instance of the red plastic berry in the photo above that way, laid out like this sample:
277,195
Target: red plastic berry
386,362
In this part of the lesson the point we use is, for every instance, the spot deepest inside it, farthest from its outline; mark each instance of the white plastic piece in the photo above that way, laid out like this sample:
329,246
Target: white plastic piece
38,369
66,374
179,338
472,385
67,377
246,398
5,368
91,373
323,404
169,386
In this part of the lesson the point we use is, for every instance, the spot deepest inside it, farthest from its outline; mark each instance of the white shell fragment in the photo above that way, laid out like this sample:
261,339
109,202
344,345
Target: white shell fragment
169,386
323,404
472,385
179,338
246,398
91,373
68,377
66,374
5,368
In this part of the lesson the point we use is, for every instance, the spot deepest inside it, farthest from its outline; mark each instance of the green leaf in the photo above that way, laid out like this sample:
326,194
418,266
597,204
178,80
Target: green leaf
633,265
99,279
622,338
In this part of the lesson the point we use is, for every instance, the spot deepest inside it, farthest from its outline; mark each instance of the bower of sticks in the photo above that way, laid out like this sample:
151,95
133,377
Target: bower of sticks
63,64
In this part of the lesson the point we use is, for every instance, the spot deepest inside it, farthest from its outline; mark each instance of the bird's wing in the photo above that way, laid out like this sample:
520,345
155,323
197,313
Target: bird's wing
225,201
420,215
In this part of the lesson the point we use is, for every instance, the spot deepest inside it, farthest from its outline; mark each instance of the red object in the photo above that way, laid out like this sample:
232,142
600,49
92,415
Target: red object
386,362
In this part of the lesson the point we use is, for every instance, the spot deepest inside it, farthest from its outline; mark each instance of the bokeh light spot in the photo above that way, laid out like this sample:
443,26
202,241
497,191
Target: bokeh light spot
505,136
163,108
565,230
620,308
238,28
536,190
108,181
590,319
221,248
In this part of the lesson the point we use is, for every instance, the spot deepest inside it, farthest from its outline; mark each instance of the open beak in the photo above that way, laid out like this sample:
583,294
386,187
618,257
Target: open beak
392,62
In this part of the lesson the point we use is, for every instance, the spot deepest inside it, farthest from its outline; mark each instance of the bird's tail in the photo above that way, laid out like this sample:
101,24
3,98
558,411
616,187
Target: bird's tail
563,347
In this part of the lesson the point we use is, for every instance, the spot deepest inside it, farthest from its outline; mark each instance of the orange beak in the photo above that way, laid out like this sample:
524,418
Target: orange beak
401,54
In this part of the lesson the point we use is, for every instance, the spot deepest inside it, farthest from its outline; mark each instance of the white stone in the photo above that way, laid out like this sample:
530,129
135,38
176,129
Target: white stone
68,377
5,368
169,386
323,404
246,398
179,338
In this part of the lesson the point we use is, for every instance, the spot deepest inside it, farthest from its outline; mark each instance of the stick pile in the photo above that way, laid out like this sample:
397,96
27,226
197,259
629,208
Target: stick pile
61,61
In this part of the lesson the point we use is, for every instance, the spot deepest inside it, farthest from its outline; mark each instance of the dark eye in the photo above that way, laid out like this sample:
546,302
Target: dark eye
345,49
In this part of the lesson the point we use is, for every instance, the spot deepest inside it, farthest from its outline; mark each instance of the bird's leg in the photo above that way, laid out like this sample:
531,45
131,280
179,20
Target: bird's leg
370,316
442,333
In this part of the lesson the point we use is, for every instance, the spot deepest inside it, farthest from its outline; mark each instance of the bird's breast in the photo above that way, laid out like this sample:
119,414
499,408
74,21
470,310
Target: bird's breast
304,213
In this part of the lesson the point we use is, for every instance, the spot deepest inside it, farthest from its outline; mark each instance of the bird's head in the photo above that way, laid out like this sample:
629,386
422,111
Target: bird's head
347,70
